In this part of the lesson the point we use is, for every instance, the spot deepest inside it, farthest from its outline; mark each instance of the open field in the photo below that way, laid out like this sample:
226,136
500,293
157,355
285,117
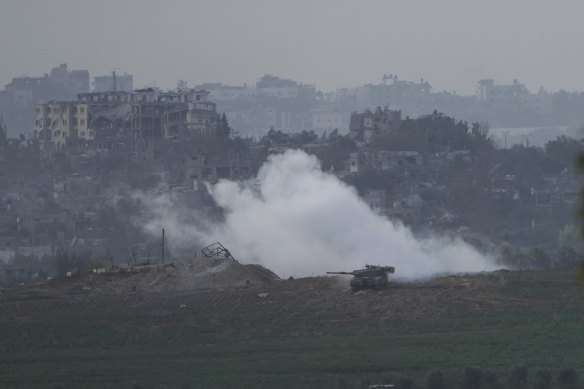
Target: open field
311,332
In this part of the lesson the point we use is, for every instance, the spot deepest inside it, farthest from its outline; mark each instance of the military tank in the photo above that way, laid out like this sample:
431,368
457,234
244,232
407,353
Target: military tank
371,277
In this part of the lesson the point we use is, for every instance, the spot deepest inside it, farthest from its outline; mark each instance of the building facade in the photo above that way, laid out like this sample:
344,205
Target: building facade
145,114
368,124
57,123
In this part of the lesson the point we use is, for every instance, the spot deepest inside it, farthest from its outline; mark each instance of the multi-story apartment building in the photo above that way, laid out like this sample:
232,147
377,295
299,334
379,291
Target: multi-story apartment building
144,114
56,123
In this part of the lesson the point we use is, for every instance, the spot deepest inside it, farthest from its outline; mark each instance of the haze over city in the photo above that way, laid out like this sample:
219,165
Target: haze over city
452,44
291,194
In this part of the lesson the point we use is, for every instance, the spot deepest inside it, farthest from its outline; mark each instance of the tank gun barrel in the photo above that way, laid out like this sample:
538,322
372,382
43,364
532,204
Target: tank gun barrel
340,272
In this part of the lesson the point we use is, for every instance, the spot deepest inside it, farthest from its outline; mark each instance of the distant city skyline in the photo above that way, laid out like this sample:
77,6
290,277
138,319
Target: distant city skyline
452,44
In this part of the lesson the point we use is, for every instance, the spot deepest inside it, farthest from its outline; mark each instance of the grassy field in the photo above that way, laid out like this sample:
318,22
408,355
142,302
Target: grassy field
208,353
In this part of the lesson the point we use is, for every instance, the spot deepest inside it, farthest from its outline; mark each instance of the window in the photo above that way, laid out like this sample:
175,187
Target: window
82,109
64,122
82,122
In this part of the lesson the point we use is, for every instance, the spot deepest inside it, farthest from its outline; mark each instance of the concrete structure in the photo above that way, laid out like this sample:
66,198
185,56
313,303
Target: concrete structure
56,123
145,114
201,167
269,85
369,124
328,121
60,84
488,92
113,82
383,160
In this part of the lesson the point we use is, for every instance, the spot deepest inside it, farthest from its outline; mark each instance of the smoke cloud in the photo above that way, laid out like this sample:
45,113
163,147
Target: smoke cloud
297,220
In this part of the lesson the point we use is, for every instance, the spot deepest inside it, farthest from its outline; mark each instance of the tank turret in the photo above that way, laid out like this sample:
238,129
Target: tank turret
370,277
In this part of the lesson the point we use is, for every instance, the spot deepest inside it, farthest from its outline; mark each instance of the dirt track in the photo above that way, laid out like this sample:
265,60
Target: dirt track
326,301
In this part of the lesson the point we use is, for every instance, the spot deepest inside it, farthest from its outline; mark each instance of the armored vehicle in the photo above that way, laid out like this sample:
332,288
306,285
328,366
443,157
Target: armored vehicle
371,277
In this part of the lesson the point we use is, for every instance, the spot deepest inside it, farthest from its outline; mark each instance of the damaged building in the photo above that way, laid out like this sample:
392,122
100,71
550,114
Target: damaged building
384,160
57,123
366,126
212,167
108,117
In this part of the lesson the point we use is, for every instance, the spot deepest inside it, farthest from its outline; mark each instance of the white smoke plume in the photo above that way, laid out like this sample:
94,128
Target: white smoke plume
297,220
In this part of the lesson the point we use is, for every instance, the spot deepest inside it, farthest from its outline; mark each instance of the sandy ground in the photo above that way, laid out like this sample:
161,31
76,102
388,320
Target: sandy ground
227,292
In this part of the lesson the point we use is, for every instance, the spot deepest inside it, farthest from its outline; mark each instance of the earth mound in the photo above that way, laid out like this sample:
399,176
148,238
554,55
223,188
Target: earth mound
191,274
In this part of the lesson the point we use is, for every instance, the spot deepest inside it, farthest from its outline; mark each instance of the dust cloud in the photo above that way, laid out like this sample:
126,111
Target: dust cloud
299,221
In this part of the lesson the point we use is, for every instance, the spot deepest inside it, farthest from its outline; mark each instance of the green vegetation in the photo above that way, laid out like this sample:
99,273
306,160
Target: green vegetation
207,354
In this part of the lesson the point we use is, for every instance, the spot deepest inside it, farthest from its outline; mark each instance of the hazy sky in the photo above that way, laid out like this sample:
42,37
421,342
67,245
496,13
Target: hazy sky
332,43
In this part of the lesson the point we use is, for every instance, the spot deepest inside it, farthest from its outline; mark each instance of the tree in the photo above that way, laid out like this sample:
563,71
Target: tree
539,259
223,130
365,384
303,138
570,245
581,166
400,381
62,263
490,381
543,379
563,152
405,383
473,377
567,378
481,140
182,84
518,378
342,383
567,256
435,380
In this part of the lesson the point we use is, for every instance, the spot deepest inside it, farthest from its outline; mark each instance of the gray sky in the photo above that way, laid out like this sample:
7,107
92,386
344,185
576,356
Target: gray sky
450,43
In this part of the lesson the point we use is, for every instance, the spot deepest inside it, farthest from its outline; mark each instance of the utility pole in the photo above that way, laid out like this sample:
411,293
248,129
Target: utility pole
163,245
505,133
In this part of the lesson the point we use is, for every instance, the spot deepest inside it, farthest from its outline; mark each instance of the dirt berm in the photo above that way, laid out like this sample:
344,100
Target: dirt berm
185,275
